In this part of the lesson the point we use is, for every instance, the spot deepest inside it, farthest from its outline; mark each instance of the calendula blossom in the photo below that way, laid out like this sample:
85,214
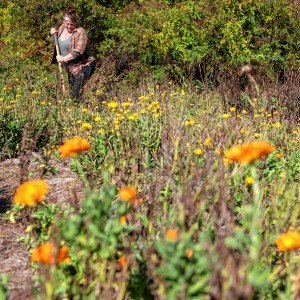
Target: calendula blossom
172,235
30,193
112,105
250,152
86,126
208,142
249,180
122,261
189,253
73,146
288,241
123,220
198,151
226,116
243,130
127,193
45,254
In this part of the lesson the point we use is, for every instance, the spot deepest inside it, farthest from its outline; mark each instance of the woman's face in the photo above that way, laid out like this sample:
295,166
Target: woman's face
70,26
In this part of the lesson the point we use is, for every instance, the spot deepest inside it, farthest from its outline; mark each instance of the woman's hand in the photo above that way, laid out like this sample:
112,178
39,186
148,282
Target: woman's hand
53,30
59,58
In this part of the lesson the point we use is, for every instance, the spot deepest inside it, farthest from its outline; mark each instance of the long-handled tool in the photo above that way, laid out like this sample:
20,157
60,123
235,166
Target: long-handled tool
59,63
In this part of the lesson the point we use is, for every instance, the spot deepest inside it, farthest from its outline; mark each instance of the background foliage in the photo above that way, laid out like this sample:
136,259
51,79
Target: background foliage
178,38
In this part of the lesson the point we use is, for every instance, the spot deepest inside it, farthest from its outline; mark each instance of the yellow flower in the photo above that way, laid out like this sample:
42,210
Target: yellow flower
208,142
86,126
133,117
249,180
172,235
227,161
190,122
243,130
155,103
31,192
288,241
256,135
127,193
143,98
276,125
126,104
232,109
218,151
97,119
84,110
73,146
250,152
198,151
35,92
112,105
279,155
226,116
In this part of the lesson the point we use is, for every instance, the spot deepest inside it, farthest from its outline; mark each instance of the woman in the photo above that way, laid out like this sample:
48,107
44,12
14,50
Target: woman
78,61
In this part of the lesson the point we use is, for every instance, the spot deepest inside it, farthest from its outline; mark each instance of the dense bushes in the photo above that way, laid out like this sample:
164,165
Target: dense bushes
183,38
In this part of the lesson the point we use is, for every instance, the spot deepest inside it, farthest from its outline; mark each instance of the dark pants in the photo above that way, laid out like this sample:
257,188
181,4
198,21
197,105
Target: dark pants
78,81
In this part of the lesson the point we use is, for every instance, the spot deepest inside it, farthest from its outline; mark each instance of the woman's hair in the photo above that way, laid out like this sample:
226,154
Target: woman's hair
71,14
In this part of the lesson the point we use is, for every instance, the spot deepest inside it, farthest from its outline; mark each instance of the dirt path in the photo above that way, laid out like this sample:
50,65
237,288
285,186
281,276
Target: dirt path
14,256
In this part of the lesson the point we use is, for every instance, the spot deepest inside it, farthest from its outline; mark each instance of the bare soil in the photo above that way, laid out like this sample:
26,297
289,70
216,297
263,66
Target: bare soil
15,258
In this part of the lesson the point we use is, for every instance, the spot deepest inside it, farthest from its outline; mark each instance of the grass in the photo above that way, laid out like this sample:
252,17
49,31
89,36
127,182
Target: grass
168,142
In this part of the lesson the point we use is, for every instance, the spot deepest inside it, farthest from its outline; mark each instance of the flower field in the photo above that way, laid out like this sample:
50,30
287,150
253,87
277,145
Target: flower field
185,196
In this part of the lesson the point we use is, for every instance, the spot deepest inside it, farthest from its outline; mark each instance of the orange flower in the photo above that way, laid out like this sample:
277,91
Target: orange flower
172,235
189,253
127,194
288,241
74,146
31,192
136,202
63,255
44,254
123,220
122,261
250,152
